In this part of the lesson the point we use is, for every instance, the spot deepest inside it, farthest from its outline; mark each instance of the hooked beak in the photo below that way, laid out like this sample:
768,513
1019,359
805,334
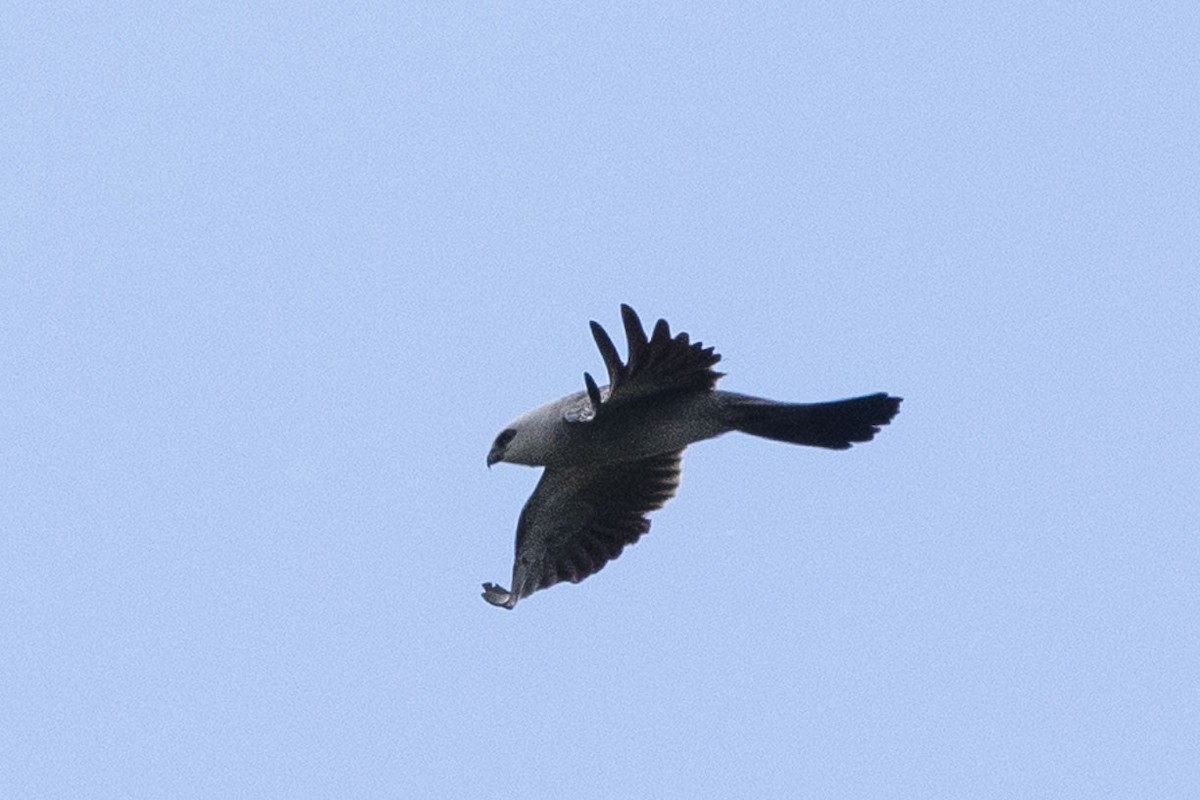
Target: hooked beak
494,456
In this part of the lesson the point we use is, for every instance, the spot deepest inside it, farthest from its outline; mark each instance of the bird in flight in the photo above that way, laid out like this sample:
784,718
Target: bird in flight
612,453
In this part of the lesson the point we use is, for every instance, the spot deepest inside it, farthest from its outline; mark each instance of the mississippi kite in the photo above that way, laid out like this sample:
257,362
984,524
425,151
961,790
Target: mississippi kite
612,452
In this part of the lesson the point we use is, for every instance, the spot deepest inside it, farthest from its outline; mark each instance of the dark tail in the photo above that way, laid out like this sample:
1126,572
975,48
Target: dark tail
834,425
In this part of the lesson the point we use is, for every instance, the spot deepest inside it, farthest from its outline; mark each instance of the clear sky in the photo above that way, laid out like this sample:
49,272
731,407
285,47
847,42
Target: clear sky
273,277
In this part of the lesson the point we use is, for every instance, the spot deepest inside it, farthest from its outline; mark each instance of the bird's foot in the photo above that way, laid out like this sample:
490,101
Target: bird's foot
499,596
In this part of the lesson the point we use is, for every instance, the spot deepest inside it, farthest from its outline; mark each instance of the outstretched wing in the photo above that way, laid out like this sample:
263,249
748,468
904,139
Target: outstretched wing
580,518
658,364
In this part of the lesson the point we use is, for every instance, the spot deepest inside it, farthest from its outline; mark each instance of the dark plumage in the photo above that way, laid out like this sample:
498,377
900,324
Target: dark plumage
612,454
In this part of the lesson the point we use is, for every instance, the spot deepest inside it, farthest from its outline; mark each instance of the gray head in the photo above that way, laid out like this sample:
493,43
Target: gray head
530,439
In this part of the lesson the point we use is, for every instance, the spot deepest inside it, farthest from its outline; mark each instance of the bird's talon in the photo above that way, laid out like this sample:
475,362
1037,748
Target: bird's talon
498,596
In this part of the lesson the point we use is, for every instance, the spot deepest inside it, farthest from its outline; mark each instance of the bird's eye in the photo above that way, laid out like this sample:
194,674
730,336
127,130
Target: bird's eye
505,437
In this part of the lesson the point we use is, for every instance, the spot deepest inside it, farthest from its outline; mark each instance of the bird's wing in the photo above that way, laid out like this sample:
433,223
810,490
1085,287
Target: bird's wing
656,364
580,518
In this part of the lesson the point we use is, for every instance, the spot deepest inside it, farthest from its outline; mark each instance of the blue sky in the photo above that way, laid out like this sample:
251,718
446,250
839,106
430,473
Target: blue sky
272,278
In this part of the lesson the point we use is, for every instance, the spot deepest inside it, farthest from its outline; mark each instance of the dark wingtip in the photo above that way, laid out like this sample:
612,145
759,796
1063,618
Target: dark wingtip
608,352
662,331
635,334
593,391
631,320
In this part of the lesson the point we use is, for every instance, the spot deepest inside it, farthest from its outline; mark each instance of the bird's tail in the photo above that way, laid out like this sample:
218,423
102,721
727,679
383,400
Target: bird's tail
835,425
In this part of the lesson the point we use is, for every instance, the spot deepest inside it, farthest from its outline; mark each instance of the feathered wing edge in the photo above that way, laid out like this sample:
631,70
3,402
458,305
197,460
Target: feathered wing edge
658,363
579,518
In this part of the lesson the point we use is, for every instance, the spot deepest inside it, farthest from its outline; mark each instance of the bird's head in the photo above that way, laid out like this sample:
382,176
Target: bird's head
530,439
500,446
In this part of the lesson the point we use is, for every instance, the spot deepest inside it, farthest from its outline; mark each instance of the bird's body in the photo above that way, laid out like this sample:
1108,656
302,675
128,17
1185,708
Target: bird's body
612,454
648,428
